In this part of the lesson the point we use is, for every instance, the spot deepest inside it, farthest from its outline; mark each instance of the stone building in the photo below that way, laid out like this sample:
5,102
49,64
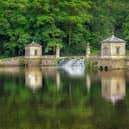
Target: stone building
113,47
33,54
113,54
34,57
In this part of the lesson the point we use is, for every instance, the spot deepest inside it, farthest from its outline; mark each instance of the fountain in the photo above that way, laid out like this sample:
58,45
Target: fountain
74,67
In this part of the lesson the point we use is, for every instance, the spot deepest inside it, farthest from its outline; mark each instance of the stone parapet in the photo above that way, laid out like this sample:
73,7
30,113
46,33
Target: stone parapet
49,60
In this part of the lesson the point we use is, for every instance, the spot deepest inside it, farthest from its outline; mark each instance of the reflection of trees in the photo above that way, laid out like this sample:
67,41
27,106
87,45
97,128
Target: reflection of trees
48,108
113,85
105,114
68,106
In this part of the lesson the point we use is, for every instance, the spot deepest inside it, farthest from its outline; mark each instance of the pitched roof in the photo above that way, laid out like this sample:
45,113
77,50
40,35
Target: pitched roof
113,39
33,44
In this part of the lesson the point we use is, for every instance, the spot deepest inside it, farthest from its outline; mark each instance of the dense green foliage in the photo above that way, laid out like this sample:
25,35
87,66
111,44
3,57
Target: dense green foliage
68,24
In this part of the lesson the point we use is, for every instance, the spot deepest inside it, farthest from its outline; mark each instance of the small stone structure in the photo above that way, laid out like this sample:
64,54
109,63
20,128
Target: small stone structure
113,55
33,54
49,60
113,47
113,51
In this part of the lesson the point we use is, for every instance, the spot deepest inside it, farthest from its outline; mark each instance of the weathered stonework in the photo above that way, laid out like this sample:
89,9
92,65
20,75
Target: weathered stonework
111,64
48,61
14,61
113,47
33,54
113,54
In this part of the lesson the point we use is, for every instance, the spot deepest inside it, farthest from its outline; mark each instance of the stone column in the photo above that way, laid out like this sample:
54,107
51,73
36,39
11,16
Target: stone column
57,52
88,51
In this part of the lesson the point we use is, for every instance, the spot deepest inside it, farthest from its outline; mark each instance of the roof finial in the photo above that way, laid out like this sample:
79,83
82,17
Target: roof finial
33,42
113,34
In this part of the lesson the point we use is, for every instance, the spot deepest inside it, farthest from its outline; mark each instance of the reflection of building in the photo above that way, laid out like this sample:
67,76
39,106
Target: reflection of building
35,75
113,85
33,78
52,73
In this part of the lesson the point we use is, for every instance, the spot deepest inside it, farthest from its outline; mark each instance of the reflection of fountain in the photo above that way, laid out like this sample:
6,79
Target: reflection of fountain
33,77
113,85
74,67
75,71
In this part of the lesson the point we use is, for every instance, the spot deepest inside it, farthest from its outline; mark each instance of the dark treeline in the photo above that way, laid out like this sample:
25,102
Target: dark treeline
68,24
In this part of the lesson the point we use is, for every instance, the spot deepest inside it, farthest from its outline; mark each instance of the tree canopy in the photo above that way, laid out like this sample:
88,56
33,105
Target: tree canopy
68,24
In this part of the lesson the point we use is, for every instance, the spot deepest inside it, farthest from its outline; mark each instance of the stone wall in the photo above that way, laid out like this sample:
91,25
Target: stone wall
15,61
111,63
52,61
33,61
127,63
121,47
110,49
43,61
18,61
48,61
105,49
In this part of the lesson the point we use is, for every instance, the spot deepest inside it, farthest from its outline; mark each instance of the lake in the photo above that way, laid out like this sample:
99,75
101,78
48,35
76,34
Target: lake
52,98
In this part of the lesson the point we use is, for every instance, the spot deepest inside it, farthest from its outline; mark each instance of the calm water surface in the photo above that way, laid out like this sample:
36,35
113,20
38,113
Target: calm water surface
50,98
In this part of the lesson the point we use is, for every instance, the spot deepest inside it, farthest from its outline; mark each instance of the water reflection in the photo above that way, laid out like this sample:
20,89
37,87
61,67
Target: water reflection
52,74
49,72
10,70
63,102
75,71
88,82
113,85
58,80
33,77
